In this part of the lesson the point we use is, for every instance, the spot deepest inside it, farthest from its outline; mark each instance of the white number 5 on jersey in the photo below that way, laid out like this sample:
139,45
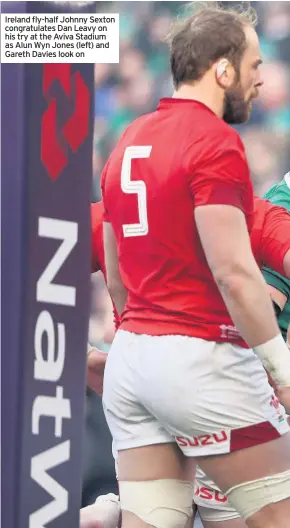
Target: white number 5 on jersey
135,187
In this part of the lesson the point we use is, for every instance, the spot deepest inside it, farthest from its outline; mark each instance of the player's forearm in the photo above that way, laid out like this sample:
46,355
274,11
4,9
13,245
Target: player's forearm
243,293
248,301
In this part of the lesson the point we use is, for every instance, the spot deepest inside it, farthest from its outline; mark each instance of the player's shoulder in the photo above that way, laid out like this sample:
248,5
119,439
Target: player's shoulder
279,193
133,128
218,143
127,138
229,136
218,135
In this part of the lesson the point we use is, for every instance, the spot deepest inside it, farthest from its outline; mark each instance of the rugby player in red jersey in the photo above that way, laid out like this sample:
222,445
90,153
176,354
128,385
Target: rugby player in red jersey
180,387
270,242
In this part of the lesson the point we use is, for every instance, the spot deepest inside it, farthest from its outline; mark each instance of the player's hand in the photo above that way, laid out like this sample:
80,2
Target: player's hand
104,513
88,518
96,363
283,394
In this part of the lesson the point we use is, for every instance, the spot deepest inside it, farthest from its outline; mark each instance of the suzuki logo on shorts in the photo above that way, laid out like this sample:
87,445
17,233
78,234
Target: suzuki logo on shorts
75,130
202,440
210,494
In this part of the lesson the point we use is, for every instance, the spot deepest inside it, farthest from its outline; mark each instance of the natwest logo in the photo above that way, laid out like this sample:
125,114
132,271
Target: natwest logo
55,139
210,494
202,440
50,347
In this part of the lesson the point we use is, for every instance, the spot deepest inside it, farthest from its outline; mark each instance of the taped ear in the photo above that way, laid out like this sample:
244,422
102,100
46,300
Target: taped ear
221,67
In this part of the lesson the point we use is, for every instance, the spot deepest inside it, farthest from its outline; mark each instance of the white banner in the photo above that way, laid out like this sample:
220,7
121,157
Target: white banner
76,38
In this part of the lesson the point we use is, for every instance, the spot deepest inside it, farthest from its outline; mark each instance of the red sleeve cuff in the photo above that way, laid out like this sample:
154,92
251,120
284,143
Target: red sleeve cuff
220,194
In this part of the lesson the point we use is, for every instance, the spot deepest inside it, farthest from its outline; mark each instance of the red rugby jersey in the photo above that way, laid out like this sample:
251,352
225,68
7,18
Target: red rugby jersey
167,163
270,236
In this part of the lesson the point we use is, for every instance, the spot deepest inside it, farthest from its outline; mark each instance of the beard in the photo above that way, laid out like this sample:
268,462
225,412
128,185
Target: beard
236,109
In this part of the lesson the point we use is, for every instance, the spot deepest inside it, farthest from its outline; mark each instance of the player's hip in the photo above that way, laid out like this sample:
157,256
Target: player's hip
148,322
210,398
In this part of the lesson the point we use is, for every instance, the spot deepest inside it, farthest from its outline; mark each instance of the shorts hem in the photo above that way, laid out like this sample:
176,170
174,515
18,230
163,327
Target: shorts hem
212,514
131,444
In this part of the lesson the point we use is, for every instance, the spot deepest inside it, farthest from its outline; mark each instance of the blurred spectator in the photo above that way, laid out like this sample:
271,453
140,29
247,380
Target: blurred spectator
267,155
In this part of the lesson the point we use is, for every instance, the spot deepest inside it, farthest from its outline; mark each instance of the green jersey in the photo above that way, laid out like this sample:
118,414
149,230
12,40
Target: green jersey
279,194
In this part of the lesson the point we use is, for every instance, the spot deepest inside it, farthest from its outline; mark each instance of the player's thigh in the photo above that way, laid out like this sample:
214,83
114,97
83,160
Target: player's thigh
155,482
249,464
155,462
231,523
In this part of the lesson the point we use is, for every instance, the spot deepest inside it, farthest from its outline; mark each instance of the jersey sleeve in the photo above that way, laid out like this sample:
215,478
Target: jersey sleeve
220,174
277,281
97,235
275,240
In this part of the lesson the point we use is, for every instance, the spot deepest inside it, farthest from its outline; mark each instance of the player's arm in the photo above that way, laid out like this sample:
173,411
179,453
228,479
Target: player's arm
226,243
114,282
278,285
104,513
220,191
279,299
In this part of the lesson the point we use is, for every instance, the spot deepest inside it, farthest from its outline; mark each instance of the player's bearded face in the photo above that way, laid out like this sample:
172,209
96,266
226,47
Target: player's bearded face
237,108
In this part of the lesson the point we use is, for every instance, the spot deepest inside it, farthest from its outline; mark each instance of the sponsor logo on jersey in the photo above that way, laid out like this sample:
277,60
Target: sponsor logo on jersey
230,333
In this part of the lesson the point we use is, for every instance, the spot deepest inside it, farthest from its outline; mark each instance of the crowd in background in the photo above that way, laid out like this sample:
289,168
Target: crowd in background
133,87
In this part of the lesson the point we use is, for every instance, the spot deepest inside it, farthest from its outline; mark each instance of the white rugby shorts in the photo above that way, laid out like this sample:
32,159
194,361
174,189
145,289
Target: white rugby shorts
212,504
210,398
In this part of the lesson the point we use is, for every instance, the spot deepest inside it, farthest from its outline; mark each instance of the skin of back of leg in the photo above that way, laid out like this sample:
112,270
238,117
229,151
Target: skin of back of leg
250,464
